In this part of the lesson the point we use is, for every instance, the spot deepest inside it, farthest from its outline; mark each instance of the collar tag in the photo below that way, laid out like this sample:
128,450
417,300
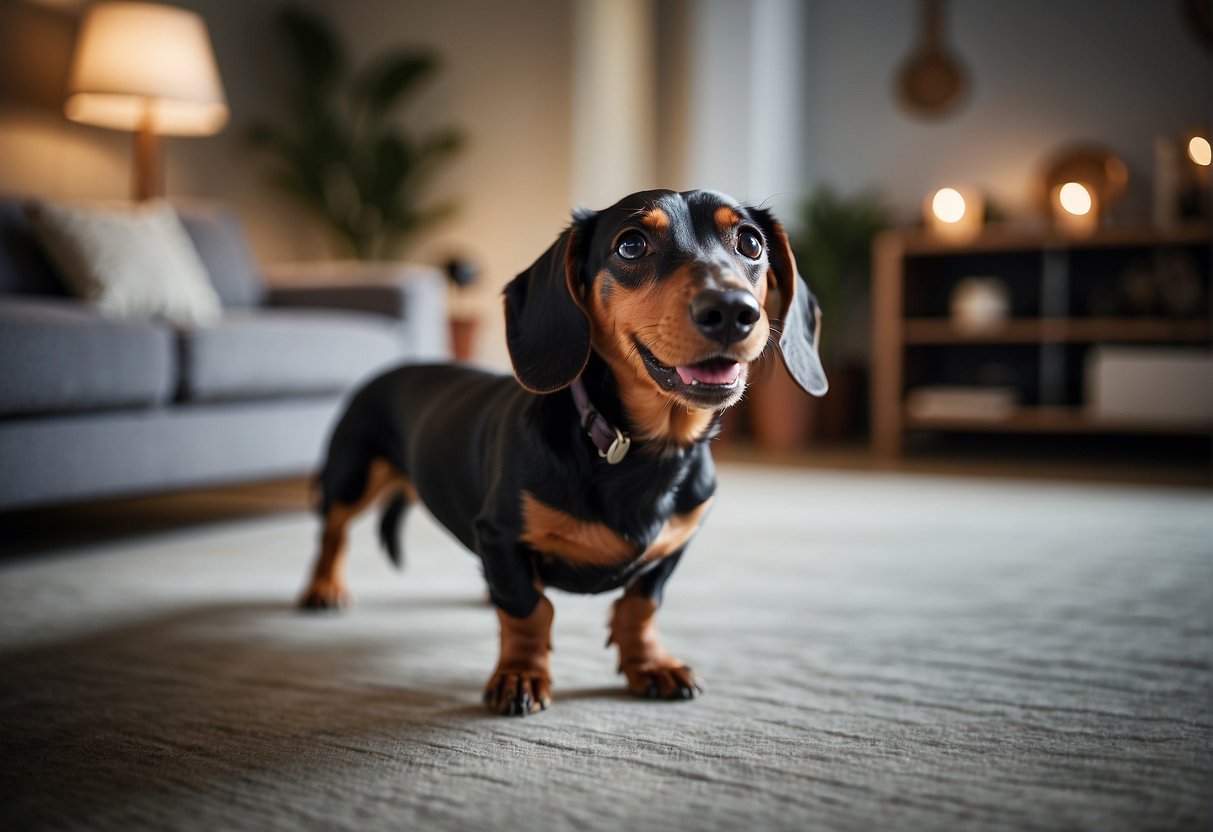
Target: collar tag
619,448
611,442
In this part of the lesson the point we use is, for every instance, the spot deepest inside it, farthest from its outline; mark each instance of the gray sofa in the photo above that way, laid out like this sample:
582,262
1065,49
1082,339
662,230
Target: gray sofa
95,407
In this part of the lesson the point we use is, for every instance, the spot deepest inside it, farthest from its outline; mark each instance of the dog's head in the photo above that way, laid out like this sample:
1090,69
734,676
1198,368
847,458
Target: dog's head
678,292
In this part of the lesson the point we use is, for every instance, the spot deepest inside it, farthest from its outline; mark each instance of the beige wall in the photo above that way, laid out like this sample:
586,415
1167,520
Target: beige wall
505,83
1115,71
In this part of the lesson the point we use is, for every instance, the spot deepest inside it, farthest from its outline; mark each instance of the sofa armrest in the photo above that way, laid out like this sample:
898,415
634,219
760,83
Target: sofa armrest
415,296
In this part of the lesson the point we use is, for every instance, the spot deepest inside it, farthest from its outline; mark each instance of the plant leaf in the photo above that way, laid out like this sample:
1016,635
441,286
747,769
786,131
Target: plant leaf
441,143
391,161
429,154
411,222
388,79
313,48
339,147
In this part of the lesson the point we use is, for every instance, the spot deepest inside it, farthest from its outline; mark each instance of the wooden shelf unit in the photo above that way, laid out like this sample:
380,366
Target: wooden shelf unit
1051,419
1058,330
1041,266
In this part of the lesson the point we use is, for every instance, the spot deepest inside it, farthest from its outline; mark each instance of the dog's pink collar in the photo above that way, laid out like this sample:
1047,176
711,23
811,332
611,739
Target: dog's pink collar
612,443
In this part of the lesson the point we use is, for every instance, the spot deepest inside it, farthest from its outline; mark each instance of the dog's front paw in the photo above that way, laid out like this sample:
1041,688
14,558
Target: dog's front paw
662,680
518,692
650,669
325,595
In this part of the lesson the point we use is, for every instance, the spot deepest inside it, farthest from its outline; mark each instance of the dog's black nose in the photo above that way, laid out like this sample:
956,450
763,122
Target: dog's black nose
725,315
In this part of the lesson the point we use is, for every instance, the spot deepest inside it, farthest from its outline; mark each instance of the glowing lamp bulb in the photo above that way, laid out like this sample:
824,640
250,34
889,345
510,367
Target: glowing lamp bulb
1199,151
1075,198
948,205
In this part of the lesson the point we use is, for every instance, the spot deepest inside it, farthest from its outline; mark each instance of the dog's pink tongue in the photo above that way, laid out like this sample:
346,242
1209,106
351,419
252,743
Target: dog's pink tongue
710,372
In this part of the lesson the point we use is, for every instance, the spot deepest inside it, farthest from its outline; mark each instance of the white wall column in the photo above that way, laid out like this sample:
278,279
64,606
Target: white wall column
614,100
777,99
746,102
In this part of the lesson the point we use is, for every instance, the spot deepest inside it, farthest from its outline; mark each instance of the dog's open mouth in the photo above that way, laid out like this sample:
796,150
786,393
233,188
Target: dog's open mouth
710,383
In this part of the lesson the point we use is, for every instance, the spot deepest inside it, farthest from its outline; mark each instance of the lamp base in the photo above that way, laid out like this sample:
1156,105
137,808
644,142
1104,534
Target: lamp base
147,181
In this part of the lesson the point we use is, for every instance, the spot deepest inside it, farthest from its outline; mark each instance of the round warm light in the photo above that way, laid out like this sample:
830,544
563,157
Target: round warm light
948,205
1199,150
1075,198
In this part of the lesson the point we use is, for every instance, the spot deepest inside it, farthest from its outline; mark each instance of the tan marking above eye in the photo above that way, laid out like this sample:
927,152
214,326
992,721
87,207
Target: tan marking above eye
656,219
726,218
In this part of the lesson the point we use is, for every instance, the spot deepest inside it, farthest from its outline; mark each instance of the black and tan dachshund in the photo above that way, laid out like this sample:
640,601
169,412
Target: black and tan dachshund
591,470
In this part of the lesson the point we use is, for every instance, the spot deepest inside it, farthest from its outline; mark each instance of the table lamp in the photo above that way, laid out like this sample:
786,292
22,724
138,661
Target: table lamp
147,68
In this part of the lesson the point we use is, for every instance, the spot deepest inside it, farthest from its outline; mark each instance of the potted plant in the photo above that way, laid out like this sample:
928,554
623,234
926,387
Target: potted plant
462,273
342,150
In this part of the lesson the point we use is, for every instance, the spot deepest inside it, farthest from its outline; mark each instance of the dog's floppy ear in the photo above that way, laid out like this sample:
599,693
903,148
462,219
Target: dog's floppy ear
546,327
797,316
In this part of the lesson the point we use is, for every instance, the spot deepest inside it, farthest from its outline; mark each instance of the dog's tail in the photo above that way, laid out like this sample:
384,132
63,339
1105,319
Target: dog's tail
389,528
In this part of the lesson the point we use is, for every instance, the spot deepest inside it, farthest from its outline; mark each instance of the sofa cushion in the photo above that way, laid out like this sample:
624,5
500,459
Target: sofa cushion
58,355
130,261
24,266
258,354
219,238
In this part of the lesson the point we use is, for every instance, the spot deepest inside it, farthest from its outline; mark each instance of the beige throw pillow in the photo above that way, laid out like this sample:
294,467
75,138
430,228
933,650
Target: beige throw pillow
130,262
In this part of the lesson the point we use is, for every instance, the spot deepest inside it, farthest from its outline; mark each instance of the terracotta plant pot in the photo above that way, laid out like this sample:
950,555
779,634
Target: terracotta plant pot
781,414
841,413
463,338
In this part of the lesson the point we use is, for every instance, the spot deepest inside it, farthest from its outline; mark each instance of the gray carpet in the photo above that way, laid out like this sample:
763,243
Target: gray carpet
880,652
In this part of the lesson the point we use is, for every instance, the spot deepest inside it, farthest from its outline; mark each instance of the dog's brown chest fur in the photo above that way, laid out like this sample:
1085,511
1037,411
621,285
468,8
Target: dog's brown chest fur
554,532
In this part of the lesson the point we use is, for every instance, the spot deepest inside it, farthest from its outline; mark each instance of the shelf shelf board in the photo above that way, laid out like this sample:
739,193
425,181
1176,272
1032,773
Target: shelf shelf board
1011,238
1059,330
1054,420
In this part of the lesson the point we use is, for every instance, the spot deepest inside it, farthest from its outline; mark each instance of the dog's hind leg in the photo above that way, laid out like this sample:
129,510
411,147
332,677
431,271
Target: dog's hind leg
378,479
327,589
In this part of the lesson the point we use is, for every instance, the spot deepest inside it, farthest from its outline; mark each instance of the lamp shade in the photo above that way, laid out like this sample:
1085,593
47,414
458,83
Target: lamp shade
146,65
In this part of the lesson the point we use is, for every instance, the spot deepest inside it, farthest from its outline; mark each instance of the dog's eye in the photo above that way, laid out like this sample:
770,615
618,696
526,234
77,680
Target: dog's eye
748,245
632,247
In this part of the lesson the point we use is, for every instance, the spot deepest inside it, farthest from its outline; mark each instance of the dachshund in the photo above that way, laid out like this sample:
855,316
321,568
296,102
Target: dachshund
590,469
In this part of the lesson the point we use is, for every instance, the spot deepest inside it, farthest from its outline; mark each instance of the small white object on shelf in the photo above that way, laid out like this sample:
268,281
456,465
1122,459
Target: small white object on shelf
958,402
980,303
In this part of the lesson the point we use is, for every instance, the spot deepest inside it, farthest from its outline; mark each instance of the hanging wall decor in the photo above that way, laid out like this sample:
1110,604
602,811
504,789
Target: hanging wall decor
932,81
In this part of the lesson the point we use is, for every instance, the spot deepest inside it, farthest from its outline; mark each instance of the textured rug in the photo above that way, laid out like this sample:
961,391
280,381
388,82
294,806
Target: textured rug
880,652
